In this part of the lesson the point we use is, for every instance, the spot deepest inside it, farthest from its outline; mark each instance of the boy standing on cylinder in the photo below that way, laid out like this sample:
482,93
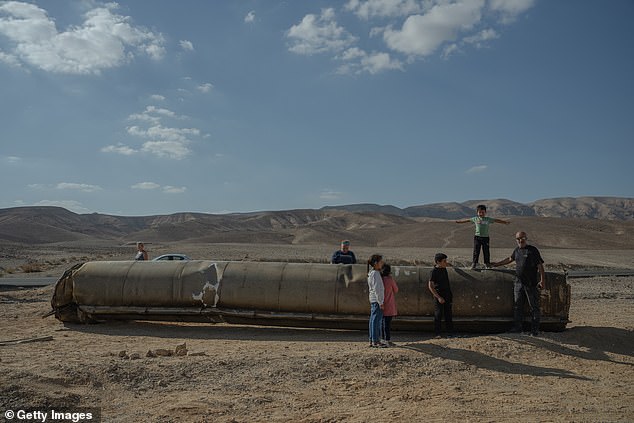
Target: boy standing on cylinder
481,238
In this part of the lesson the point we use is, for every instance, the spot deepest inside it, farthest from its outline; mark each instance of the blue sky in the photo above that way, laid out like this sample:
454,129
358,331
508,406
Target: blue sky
141,108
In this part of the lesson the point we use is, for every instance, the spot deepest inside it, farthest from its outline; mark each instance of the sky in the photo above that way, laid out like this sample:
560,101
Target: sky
144,108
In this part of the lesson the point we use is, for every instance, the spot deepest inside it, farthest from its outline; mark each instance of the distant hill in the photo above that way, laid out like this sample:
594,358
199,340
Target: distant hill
610,208
585,222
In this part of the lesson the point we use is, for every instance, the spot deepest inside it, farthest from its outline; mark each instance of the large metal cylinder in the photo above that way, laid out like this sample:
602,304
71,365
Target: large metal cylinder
295,294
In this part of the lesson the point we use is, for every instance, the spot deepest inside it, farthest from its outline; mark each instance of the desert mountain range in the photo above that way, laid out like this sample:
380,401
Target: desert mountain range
582,222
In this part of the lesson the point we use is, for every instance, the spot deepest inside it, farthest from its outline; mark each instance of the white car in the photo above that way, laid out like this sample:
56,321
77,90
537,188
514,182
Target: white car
171,257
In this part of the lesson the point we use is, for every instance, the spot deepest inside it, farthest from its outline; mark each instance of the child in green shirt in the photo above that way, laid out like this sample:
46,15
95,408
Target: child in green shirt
481,238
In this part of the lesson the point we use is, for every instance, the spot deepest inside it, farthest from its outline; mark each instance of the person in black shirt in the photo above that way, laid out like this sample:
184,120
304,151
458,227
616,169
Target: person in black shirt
528,265
344,256
441,290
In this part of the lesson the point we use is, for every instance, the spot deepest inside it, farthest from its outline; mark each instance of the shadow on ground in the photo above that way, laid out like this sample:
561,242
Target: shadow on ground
586,342
483,361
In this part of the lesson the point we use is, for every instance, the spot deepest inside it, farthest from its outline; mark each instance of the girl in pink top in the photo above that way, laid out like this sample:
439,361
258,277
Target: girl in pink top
389,302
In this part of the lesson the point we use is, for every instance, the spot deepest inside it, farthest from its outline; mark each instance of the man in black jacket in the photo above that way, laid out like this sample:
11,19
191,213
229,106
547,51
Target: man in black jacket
343,256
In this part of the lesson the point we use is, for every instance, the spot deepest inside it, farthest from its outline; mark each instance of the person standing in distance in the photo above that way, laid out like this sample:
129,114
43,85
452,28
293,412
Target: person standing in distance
141,254
528,265
344,255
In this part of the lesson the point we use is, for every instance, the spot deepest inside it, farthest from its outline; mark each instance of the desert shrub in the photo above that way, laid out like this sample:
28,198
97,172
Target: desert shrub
31,268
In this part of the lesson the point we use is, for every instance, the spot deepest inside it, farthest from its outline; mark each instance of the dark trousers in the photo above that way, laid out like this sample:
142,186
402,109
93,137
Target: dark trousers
387,327
439,311
521,294
481,242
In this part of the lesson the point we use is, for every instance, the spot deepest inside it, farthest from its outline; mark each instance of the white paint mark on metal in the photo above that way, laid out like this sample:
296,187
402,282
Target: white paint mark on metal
206,288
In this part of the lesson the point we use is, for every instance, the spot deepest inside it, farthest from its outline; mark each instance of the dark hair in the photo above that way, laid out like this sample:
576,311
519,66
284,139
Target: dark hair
439,257
387,269
481,207
374,259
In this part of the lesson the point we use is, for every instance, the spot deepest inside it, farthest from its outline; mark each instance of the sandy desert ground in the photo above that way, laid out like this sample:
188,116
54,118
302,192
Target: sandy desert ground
235,373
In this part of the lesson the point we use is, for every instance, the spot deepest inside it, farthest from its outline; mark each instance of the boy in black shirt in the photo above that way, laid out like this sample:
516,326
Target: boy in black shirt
441,290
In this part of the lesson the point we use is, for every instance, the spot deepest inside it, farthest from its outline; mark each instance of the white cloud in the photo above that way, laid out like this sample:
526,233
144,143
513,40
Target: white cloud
145,185
160,111
378,62
157,97
481,37
382,8
411,29
186,45
167,149
477,169
328,194
353,53
250,17
318,34
421,35
509,10
449,50
164,133
168,189
205,88
478,40
145,117
12,159
102,41
359,61
78,187
119,149
162,141
10,59
153,115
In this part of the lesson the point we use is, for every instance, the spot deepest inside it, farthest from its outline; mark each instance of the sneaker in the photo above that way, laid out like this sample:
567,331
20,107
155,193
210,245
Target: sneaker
488,266
378,345
391,344
534,333
437,337
474,266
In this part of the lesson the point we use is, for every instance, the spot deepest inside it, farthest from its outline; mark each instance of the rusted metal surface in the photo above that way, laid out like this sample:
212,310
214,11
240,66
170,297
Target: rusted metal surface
292,294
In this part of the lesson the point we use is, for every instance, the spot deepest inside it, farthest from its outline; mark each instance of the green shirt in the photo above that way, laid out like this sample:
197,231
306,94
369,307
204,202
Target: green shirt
482,225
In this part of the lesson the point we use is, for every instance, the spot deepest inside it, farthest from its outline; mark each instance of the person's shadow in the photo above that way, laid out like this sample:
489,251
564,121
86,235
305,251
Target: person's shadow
589,343
484,361
585,342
